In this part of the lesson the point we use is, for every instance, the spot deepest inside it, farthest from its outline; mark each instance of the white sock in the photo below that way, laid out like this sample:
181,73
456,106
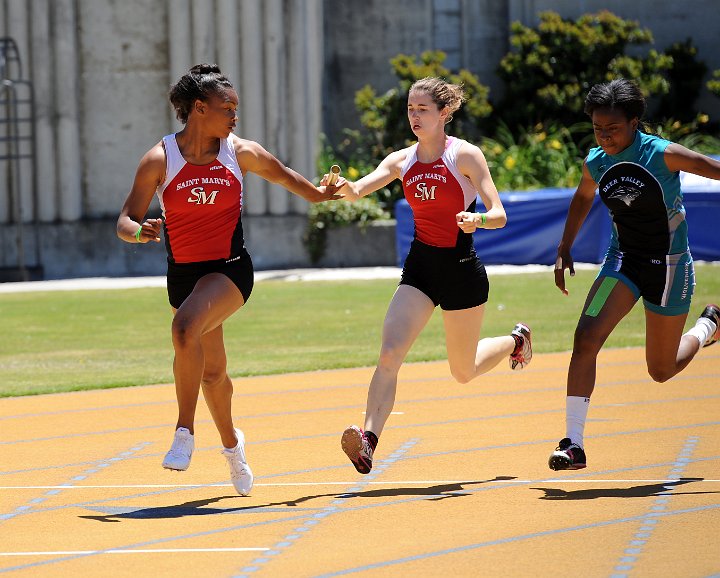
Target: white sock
703,329
576,409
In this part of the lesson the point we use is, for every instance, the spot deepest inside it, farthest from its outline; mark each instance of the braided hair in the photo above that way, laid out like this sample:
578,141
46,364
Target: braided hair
199,83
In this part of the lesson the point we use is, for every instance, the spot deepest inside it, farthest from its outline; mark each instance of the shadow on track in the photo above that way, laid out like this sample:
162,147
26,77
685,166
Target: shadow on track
200,507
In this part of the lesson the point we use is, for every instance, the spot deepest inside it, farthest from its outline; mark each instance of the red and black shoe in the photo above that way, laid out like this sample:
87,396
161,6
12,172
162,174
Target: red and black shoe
522,354
358,448
567,456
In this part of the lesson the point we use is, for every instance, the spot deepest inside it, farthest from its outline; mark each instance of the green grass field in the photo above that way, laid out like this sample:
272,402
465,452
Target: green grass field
73,340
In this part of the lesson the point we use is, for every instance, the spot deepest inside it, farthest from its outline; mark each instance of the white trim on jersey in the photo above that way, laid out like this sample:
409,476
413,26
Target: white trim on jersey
449,158
175,162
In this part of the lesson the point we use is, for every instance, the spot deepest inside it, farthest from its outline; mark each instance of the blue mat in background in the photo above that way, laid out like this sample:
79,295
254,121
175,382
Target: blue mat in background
536,220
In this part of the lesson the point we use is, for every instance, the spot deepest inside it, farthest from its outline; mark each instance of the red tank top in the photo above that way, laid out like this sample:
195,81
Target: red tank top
436,192
202,205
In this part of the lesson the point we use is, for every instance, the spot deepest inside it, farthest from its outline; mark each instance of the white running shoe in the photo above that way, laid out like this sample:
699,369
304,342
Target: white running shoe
521,356
178,458
240,472
712,313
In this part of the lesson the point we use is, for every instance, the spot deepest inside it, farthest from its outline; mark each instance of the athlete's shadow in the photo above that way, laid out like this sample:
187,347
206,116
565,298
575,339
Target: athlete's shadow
194,508
437,492
643,491
199,507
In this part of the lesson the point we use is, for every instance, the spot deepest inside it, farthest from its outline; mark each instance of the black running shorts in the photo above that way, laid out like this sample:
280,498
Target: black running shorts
182,277
452,278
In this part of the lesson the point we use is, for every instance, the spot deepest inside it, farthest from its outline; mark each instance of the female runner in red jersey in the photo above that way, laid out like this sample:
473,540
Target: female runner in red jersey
197,174
441,177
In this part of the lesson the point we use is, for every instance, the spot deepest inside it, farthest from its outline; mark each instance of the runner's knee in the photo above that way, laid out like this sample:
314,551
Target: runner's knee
391,356
214,376
586,342
661,374
462,375
184,331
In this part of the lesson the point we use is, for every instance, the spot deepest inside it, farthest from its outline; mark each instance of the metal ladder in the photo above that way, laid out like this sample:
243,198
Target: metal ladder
17,144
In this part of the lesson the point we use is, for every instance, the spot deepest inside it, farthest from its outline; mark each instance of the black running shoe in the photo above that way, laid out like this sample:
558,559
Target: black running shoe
567,456
357,447
712,312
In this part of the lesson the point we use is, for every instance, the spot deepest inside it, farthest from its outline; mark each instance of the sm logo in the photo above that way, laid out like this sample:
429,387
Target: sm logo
200,197
424,193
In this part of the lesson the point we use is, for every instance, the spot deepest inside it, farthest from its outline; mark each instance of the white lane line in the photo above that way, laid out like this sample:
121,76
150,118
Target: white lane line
377,483
156,551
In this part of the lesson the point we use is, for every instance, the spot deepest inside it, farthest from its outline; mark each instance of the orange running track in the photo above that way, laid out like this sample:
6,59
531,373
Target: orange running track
460,485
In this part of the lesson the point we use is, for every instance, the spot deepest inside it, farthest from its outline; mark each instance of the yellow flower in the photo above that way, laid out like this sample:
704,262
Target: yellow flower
497,149
541,136
352,173
509,163
703,118
676,124
555,144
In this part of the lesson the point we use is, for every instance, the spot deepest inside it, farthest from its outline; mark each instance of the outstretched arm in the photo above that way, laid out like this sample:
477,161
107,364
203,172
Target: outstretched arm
254,158
385,173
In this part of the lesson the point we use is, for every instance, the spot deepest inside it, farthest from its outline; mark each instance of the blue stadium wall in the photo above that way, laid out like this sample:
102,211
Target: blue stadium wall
536,220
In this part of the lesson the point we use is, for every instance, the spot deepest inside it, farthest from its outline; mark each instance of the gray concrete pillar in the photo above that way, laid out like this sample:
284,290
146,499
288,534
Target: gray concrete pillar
68,122
315,72
447,31
179,46
252,104
203,32
45,166
276,96
305,45
228,45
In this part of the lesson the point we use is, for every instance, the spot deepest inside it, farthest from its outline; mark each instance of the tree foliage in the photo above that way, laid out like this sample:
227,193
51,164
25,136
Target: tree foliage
685,77
551,67
713,85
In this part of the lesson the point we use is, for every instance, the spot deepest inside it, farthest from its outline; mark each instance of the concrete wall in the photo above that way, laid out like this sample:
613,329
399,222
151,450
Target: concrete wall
101,70
359,44
474,33
91,249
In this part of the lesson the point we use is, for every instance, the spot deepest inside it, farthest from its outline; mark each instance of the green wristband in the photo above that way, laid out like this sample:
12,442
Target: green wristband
138,233
483,218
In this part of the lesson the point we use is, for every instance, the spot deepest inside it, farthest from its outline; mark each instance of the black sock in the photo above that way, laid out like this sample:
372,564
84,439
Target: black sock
372,438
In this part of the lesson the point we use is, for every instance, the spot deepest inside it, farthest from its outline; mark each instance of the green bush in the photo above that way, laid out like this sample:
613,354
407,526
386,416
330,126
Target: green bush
714,84
544,156
551,67
685,78
690,134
